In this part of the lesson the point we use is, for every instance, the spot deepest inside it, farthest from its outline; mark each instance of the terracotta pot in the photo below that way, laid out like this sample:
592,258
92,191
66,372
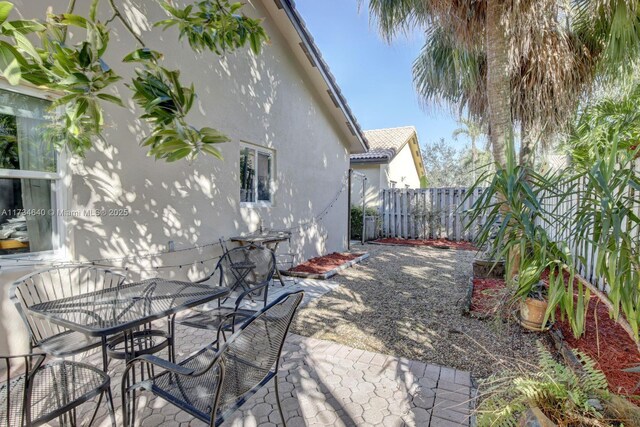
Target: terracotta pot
532,314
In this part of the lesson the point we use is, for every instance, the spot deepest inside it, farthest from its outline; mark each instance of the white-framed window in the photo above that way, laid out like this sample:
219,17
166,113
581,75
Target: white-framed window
31,188
256,173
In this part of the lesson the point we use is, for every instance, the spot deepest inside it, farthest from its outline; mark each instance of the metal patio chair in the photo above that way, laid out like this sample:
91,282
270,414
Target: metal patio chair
284,262
34,393
214,382
53,284
247,272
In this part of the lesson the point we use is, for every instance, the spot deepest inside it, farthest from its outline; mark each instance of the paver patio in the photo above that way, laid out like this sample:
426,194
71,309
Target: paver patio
323,383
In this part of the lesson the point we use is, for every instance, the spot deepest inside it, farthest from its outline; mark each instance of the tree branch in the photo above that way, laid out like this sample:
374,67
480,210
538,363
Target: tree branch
110,20
126,24
70,8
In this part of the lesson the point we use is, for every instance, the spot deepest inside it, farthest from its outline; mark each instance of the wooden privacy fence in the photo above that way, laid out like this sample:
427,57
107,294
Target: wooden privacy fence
430,213
584,252
370,228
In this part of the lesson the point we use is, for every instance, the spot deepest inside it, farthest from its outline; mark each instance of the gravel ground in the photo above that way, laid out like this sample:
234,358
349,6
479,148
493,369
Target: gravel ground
407,301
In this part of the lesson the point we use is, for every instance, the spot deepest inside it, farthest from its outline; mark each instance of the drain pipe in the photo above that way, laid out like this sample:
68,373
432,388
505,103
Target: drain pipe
364,203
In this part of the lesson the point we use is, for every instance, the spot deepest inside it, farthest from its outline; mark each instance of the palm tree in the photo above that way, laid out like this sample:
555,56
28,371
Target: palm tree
541,101
525,61
472,130
465,22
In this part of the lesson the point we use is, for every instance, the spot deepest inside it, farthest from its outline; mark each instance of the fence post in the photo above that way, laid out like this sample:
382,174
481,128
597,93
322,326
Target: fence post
454,214
398,210
387,208
430,213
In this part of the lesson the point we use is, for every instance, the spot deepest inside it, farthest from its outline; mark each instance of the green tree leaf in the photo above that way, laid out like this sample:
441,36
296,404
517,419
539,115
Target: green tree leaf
62,100
110,98
85,57
213,151
23,43
143,55
75,20
5,9
93,10
213,136
23,26
10,63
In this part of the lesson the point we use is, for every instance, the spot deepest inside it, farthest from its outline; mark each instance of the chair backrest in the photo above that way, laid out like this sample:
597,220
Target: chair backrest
55,283
251,355
17,373
261,259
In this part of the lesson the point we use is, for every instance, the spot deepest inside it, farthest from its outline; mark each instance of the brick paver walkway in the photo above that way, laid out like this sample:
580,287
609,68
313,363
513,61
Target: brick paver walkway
327,384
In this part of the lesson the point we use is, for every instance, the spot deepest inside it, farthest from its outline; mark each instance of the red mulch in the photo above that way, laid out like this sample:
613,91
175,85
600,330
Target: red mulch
484,295
617,350
325,263
436,243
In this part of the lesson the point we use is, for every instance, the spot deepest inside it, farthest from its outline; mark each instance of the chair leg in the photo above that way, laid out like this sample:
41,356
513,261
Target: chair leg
126,411
128,398
172,339
95,411
112,409
105,357
279,278
284,421
133,392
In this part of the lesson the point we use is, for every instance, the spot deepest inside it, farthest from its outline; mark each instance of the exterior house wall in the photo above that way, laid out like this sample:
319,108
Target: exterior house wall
402,169
380,176
265,100
375,182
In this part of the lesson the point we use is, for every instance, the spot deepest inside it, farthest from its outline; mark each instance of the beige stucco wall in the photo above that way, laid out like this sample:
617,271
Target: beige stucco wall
374,173
265,100
402,169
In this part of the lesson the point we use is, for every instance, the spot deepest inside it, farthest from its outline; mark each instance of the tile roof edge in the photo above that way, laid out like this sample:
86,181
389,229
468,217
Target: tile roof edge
392,128
305,34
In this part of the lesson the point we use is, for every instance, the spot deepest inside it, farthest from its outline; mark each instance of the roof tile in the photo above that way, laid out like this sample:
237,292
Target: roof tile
384,144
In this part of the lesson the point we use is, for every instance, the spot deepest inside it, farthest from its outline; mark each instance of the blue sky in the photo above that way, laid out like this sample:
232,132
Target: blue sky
375,77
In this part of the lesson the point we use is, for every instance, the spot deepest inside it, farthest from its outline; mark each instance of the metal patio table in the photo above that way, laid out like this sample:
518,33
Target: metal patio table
121,311
271,239
267,238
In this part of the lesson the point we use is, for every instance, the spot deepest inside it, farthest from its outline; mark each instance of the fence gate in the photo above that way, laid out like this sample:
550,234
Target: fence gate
429,213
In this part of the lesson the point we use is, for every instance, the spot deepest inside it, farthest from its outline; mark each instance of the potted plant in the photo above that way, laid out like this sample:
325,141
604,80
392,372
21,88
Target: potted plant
531,292
533,309
516,216
487,263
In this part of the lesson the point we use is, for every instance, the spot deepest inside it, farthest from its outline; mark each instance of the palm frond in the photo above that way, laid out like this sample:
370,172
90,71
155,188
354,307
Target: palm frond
464,19
446,74
557,51
397,16
610,31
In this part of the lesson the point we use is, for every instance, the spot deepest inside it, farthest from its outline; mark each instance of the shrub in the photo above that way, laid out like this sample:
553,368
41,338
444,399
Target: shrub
356,220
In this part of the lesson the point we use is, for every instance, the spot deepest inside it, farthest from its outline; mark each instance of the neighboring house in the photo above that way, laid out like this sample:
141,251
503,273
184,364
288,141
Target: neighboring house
286,167
394,160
